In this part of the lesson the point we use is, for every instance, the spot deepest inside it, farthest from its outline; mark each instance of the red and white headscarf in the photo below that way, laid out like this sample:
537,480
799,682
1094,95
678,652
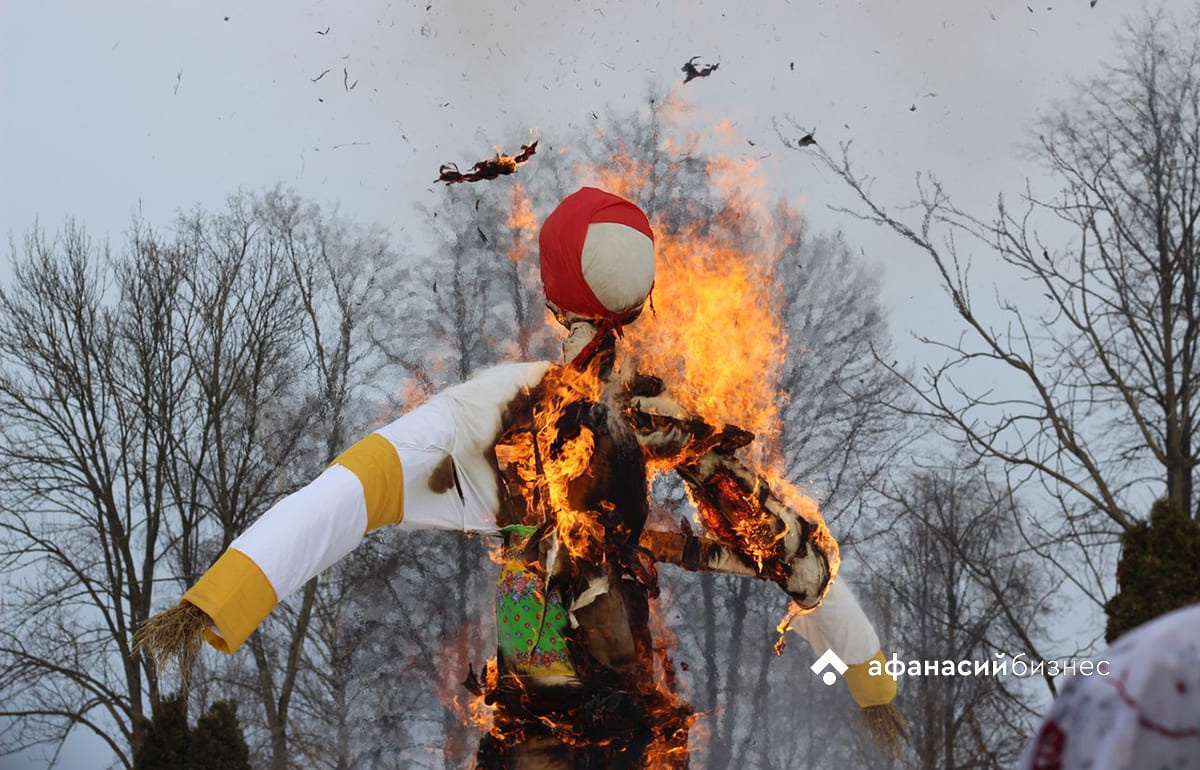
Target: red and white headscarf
597,258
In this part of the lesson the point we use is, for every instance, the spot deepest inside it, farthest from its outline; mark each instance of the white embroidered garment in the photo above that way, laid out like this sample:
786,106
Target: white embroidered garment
1137,709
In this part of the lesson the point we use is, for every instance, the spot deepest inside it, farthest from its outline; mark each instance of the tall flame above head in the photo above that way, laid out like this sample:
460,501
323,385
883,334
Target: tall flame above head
715,334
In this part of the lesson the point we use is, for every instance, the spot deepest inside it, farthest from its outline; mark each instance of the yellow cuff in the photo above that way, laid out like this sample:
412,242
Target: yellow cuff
236,595
377,465
870,690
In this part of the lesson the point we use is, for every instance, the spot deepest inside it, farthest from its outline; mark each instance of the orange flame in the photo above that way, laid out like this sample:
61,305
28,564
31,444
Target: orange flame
523,222
548,462
714,334
474,711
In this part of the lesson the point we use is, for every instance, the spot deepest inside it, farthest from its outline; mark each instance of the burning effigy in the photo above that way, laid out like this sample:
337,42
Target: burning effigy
555,460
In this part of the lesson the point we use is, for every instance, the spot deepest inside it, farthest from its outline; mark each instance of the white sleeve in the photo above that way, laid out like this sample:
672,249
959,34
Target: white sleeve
839,624
447,450
433,468
307,531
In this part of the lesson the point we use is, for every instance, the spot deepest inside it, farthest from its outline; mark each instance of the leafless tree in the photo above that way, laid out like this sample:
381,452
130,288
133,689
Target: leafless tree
962,586
1087,386
335,281
89,412
349,283
152,403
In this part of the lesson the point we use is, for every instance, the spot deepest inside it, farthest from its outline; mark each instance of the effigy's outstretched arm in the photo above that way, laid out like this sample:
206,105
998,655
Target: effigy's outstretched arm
787,542
429,469
695,553
840,625
767,531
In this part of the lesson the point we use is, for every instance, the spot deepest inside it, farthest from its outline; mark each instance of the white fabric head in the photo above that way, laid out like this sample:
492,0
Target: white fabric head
618,265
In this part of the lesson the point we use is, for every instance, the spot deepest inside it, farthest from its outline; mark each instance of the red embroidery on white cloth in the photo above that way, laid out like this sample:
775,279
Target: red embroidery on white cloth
1050,743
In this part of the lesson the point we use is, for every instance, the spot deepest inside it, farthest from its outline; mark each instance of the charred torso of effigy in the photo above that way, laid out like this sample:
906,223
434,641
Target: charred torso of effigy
579,681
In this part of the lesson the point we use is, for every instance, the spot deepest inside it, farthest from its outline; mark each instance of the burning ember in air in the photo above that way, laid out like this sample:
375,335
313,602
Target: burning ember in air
691,71
501,165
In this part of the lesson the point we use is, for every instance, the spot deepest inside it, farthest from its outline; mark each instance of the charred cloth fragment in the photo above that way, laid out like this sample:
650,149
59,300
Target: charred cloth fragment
500,165
691,71
665,430
474,683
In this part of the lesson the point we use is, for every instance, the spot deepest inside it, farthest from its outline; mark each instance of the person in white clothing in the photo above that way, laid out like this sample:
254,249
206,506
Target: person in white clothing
1135,705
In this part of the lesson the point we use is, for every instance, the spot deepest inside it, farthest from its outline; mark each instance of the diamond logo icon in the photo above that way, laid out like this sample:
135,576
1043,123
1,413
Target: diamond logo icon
828,660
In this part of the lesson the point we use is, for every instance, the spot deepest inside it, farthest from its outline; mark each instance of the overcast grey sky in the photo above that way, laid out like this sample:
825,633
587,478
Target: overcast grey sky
172,104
